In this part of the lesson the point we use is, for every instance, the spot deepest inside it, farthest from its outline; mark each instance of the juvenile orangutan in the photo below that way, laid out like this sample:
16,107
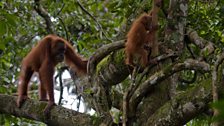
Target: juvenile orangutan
137,38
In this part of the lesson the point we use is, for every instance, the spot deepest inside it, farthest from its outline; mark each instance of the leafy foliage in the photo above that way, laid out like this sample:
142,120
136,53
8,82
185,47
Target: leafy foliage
206,17
21,27
219,106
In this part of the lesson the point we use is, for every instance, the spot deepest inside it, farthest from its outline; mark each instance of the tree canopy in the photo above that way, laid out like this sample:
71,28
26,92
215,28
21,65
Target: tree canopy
183,87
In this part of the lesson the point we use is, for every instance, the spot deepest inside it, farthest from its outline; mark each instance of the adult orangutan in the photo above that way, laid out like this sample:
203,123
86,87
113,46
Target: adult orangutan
42,59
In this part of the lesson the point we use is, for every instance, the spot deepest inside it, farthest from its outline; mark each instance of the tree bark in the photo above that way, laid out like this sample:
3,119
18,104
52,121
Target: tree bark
33,109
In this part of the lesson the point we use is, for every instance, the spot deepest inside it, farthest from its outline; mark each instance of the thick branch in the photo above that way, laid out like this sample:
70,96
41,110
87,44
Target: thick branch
33,109
219,61
102,53
205,46
184,107
195,38
163,74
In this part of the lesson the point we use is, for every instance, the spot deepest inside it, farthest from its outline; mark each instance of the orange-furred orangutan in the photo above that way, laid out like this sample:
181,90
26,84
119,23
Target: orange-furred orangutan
142,40
137,38
42,59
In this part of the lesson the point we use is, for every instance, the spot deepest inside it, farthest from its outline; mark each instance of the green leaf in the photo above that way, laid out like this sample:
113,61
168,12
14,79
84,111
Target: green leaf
3,89
219,105
3,28
11,19
2,45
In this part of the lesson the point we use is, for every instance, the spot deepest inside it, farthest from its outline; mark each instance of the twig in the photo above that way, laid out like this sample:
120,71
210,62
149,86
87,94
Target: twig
65,28
61,70
97,22
63,5
79,101
61,88
43,13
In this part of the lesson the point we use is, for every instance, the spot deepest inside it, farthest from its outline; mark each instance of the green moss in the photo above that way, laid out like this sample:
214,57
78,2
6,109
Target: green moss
120,56
181,98
206,84
102,64
115,58
96,120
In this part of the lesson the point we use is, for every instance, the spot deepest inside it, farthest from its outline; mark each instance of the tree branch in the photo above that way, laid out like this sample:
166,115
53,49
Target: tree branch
187,105
219,61
143,89
33,109
205,46
65,29
43,13
99,25
102,53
